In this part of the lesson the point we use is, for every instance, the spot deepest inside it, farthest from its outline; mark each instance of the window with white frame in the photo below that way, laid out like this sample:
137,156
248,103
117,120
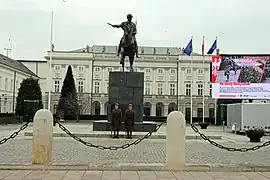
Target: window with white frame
6,84
200,89
56,86
200,71
210,89
188,89
147,88
0,82
160,71
97,69
160,88
188,70
80,86
110,69
81,68
172,89
173,71
147,70
57,67
96,87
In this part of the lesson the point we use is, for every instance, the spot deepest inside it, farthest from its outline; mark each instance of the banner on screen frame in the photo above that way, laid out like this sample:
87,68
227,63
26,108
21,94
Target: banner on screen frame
240,77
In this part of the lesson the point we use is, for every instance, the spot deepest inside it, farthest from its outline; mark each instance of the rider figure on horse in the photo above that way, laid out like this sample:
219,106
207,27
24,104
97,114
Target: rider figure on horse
128,27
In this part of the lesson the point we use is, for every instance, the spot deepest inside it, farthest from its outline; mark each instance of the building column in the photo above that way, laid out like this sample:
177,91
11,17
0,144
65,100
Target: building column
153,110
166,108
102,109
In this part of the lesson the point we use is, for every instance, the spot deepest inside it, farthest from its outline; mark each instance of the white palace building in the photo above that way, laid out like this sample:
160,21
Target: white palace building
169,78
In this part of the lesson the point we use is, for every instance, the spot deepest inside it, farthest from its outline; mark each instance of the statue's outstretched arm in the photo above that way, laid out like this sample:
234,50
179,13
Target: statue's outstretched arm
119,25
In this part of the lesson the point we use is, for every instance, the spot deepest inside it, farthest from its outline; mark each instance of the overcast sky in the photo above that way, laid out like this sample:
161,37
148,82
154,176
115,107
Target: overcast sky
242,26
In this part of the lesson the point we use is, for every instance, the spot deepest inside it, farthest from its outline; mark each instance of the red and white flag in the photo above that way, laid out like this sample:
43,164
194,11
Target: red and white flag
203,47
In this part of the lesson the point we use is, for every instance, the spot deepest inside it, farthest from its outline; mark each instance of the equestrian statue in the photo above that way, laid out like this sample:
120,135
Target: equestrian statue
128,44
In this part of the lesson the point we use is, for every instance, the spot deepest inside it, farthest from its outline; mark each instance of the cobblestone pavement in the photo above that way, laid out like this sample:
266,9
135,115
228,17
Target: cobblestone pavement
131,175
152,151
69,151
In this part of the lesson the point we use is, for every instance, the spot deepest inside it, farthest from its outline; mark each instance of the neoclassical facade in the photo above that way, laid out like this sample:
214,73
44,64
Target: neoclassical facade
169,79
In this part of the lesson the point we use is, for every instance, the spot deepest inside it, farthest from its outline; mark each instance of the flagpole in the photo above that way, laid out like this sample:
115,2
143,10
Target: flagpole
50,65
217,53
203,79
191,91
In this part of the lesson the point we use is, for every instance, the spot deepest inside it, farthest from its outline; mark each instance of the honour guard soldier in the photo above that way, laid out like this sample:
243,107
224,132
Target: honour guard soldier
116,120
129,120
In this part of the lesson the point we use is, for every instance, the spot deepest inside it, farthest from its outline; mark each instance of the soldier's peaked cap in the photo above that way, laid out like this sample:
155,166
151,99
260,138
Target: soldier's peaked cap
116,104
129,16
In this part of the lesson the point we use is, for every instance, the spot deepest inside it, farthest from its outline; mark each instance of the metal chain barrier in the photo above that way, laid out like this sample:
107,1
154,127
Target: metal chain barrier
137,141
254,148
13,135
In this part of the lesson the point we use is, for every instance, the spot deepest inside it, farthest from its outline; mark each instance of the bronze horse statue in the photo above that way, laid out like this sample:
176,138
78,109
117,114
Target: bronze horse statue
127,49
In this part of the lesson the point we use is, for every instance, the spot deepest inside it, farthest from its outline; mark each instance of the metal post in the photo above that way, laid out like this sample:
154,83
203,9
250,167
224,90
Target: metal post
50,66
177,79
91,110
203,84
191,92
14,90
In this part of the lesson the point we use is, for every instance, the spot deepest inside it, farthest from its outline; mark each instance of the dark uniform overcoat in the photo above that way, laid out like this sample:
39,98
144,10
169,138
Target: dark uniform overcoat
116,119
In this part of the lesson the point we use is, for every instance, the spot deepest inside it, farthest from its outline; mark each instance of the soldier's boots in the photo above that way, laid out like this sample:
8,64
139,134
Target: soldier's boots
116,135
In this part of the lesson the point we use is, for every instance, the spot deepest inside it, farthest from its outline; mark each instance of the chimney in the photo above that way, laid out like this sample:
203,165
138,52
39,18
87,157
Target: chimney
87,49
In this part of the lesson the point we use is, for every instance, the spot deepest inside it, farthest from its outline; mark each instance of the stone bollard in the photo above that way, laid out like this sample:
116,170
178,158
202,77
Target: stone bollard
176,141
42,137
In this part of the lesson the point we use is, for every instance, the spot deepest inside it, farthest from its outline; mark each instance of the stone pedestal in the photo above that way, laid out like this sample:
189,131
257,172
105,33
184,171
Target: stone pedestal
42,137
126,88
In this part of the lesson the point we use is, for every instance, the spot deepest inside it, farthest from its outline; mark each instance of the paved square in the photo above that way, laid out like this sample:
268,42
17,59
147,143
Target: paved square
148,152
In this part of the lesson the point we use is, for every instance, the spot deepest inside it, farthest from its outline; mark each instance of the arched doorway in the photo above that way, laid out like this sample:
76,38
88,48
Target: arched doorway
96,108
172,107
147,109
160,109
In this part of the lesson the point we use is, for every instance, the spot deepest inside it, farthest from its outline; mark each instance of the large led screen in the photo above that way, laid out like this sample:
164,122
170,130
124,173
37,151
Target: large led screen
240,77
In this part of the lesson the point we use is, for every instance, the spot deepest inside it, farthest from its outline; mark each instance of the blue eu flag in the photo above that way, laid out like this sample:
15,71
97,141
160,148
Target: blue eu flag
213,48
188,50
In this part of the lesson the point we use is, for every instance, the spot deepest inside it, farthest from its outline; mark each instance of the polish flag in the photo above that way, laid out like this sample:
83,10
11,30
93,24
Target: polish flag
203,47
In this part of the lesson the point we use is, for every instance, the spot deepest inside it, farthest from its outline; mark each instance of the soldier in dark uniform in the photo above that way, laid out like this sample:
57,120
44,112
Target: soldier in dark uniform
129,120
116,120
